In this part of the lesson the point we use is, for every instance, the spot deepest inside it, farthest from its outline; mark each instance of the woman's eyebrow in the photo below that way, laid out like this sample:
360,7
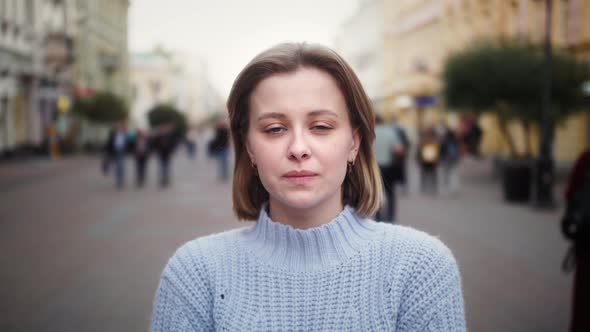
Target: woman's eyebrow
323,112
271,115
282,116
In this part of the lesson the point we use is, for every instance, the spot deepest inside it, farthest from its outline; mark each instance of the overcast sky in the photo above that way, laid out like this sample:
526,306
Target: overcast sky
228,33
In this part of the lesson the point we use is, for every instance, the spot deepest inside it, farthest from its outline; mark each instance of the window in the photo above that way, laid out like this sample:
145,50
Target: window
30,12
571,22
134,91
2,9
13,13
155,87
3,19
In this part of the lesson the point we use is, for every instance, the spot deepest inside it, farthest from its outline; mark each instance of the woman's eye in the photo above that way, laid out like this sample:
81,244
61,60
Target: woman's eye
321,127
274,130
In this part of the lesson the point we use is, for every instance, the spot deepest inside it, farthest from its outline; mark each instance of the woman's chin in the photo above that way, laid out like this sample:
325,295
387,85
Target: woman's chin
300,201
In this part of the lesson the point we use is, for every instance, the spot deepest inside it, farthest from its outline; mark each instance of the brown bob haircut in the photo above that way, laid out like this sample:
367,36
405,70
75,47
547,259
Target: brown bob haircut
362,188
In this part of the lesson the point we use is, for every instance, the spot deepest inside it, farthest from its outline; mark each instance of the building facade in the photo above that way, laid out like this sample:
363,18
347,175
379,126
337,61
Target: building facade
50,52
102,62
178,79
36,58
102,47
360,43
420,34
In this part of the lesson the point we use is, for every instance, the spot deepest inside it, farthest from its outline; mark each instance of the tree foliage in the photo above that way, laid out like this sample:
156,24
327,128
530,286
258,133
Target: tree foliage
511,74
164,114
506,78
80,106
104,107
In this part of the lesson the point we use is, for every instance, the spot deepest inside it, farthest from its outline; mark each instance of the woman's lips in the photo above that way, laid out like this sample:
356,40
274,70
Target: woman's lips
299,177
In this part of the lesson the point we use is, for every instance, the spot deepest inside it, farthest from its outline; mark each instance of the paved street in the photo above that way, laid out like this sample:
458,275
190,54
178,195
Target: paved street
78,255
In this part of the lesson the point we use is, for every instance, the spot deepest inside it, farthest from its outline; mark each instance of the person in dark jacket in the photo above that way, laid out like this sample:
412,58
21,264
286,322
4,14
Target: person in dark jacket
579,181
165,140
471,135
141,151
115,150
428,160
450,157
220,149
399,168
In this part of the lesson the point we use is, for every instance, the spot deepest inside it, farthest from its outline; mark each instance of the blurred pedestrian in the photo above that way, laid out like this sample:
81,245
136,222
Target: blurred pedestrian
576,227
400,159
428,160
387,146
190,140
219,148
440,130
141,152
165,140
116,149
54,141
303,132
450,158
471,135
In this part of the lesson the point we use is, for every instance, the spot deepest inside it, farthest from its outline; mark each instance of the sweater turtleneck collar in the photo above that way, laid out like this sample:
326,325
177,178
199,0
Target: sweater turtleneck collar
314,248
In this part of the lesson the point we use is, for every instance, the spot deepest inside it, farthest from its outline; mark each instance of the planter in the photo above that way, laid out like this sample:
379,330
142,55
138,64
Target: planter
516,180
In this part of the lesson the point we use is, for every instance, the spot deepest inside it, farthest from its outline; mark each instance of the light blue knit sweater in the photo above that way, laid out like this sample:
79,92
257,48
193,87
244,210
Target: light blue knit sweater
351,274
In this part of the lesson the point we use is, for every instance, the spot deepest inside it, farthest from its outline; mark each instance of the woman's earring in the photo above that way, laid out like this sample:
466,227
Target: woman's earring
350,166
255,168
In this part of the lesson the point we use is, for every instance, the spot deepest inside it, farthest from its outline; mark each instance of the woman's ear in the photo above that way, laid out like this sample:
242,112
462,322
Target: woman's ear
356,143
249,150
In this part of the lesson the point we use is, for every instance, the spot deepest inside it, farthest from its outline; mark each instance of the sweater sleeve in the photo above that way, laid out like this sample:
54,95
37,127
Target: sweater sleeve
183,300
432,300
168,314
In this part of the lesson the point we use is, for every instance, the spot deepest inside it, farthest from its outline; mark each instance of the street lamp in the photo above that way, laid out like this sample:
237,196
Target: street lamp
423,92
110,64
544,170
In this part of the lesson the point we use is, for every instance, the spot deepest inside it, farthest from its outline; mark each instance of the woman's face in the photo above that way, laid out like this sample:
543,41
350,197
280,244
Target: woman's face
300,138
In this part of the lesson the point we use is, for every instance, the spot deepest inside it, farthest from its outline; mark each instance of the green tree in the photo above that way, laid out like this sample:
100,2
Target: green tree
104,107
163,114
506,78
80,106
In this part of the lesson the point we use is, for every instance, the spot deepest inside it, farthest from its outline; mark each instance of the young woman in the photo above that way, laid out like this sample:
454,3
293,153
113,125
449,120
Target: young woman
305,171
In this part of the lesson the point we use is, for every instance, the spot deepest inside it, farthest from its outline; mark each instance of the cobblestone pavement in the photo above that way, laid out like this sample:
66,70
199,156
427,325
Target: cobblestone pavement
78,255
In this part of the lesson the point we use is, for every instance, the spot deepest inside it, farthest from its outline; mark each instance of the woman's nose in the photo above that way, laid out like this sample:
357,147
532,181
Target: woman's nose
299,148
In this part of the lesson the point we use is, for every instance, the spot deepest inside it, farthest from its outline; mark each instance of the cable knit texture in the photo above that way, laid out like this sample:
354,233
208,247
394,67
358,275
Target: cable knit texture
351,274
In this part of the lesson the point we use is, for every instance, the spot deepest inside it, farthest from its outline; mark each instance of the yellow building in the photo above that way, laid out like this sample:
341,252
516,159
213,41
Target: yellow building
420,34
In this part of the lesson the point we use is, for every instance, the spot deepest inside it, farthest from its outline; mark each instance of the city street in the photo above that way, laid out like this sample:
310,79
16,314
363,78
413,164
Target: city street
78,255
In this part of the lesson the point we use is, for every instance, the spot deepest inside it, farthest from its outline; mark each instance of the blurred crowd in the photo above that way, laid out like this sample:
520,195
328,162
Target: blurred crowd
438,152
161,142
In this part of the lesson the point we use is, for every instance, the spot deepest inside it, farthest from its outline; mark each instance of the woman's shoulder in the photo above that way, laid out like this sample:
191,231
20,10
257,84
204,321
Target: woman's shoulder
424,280
419,262
211,243
417,246
196,255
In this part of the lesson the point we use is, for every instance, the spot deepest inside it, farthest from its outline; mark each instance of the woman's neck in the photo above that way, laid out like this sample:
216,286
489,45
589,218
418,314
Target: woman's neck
304,218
